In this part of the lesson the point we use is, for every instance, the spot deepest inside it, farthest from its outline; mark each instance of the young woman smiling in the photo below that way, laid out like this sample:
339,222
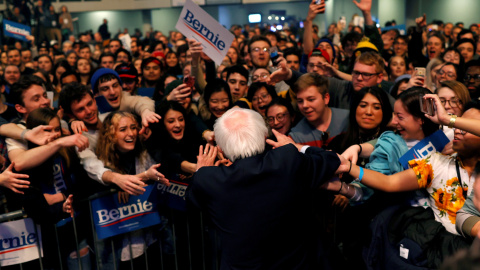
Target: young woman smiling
218,99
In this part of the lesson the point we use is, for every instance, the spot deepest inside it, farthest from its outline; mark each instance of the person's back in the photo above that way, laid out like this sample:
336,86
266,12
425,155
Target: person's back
261,204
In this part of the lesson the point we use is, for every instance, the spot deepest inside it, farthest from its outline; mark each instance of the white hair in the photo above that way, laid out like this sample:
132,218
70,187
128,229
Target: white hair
240,133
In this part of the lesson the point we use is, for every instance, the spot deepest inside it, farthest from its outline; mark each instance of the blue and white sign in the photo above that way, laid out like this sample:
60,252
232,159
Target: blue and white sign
111,217
19,242
173,196
429,145
195,23
16,30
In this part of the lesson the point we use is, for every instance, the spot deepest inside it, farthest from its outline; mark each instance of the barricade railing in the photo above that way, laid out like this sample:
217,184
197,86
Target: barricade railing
181,240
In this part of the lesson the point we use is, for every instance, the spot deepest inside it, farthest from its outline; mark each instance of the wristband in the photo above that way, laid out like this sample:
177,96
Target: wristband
145,172
359,152
360,176
341,186
350,167
22,135
452,121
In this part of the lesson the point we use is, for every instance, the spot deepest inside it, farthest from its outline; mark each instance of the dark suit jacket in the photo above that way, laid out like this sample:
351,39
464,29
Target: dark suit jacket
261,206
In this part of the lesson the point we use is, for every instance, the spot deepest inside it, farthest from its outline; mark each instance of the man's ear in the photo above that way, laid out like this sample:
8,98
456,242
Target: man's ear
380,78
326,98
20,109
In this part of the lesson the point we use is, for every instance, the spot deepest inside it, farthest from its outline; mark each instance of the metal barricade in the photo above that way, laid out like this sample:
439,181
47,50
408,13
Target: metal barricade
184,240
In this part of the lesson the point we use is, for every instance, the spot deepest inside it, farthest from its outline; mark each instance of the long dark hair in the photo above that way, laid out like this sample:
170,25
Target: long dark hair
215,86
411,102
164,107
353,134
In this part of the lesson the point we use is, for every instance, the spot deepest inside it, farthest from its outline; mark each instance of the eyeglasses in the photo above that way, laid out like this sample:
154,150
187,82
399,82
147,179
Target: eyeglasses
312,65
454,103
257,49
468,77
463,132
258,77
365,75
280,117
449,74
262,97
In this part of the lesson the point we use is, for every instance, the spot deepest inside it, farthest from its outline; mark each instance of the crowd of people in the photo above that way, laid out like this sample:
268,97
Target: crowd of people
82,114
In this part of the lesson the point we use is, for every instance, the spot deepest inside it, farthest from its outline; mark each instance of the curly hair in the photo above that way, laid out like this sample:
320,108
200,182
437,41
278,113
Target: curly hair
107,151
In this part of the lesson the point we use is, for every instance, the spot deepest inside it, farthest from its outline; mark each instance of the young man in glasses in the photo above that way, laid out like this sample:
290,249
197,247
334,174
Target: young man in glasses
367,71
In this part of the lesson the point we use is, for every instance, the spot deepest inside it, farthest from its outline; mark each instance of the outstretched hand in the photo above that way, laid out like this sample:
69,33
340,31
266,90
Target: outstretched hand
11,180
421,21
40,135
153,174
345,165
206,157
148,117
364,5
281,140
351,153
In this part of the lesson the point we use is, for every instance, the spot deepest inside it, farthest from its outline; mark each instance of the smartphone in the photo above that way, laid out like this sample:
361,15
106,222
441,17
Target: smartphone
274,54
189,81
427,106
420,72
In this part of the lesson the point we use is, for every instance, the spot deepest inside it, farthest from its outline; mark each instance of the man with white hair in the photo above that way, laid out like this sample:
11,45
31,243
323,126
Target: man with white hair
260,204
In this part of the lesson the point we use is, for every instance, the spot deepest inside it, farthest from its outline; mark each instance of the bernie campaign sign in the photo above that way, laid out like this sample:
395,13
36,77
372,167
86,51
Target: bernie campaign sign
173,196
111,217
16,30
195,23
429,145
19,242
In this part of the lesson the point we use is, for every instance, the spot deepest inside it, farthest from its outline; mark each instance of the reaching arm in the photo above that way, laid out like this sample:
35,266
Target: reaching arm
27,159
402,181
39,135
363,150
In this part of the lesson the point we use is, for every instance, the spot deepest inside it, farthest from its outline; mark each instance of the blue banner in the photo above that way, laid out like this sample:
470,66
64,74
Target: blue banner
16,30
146,92
112,217
173,196
429,145
402,28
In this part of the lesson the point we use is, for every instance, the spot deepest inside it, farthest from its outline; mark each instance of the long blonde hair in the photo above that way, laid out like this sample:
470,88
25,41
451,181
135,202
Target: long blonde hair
106,146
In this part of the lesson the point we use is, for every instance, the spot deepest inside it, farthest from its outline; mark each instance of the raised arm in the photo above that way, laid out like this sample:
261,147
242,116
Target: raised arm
443,118
313,10
196,49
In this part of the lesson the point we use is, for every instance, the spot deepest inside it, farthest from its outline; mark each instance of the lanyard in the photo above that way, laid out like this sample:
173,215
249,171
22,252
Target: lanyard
460,178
